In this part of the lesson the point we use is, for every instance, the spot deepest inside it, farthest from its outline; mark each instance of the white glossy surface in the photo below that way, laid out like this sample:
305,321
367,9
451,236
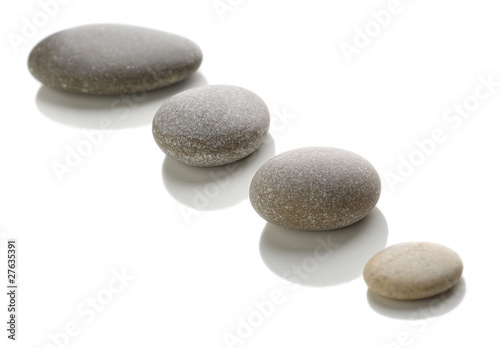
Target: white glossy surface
200,264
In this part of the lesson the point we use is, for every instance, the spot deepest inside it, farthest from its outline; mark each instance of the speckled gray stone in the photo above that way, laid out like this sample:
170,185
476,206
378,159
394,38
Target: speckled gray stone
411,271
315,188
211,125
113,59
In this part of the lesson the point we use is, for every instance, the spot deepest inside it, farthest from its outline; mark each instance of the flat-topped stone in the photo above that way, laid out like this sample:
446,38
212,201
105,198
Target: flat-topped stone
113,59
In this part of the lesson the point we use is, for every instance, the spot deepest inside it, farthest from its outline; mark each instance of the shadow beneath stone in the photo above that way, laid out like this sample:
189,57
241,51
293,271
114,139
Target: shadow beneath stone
418,309
122,111
213,188
323,258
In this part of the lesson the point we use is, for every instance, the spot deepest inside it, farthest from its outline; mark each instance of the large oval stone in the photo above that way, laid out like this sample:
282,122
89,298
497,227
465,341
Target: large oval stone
411,271
113,59
211,125
315,188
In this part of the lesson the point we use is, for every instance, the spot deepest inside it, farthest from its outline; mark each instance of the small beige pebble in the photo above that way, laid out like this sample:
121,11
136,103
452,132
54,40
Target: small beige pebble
411,271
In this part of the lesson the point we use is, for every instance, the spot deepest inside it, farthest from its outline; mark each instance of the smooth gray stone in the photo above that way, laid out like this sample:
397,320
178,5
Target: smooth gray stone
113,59
413,270
211,125
315,189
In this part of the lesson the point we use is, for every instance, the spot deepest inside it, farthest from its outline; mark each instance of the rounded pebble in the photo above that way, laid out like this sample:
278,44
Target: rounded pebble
411,271
113,59
211,125
315,188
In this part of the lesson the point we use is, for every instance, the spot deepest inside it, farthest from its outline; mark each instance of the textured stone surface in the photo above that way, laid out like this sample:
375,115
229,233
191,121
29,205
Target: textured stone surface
211,125
315,188
411,271
113,59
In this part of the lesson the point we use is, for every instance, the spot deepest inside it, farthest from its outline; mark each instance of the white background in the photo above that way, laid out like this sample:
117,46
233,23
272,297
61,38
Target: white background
195,272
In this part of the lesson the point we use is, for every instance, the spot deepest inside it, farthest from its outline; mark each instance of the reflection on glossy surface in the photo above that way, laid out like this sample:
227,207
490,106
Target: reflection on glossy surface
418,309
212,188
323,258
123,111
